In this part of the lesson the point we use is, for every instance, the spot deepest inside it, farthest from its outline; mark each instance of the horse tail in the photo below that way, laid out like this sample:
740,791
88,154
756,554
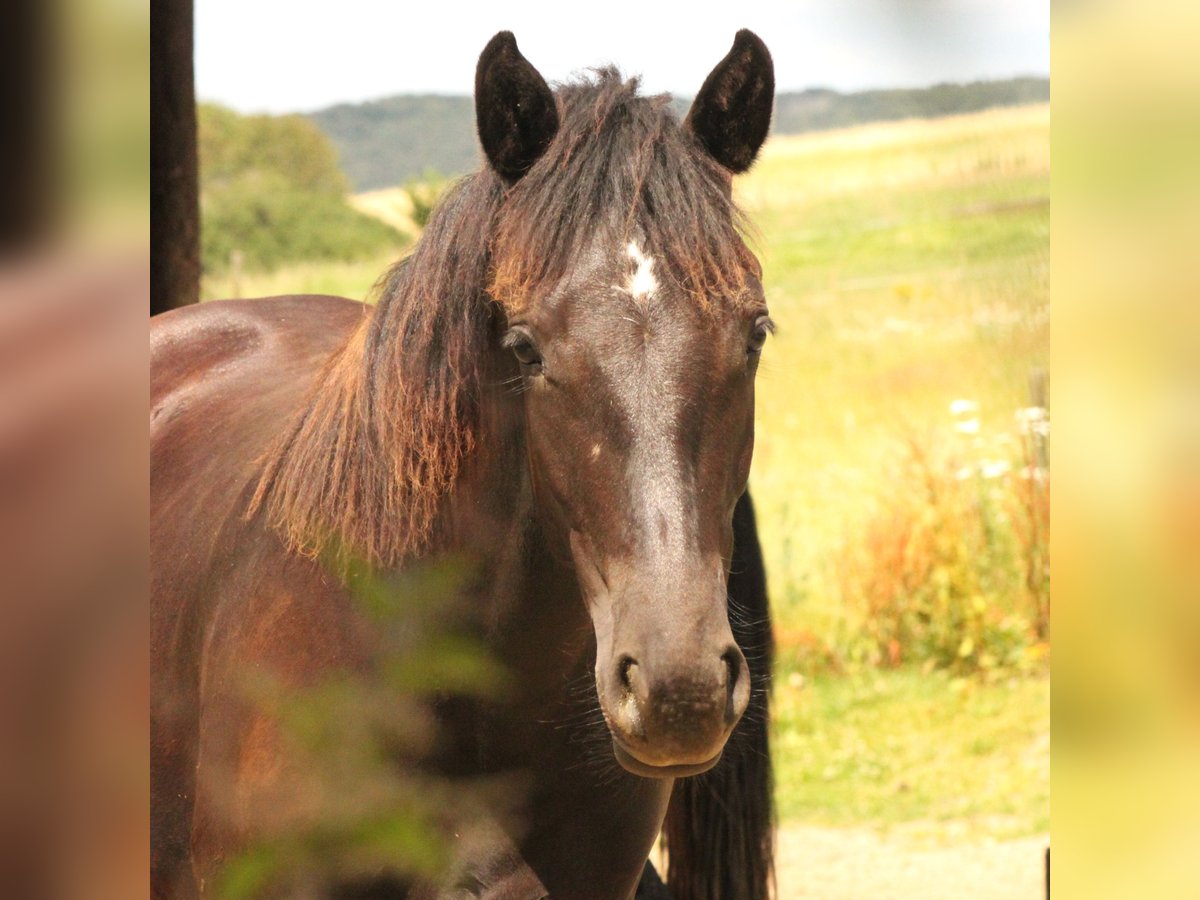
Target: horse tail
719,828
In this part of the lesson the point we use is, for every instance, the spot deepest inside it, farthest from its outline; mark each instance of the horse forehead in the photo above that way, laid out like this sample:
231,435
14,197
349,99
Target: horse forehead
660,330
619,309
618,280
653,360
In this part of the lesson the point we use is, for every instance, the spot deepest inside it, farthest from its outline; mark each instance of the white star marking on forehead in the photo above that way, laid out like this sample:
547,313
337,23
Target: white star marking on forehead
642,283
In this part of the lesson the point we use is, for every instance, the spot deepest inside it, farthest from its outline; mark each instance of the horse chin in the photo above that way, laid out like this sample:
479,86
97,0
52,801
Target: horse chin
635,766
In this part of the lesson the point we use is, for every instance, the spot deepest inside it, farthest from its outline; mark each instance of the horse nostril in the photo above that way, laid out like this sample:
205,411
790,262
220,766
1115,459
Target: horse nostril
735,699
625,669
732,669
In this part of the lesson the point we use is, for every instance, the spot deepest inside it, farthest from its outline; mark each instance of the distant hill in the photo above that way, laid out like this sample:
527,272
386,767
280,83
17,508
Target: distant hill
387,142
820,109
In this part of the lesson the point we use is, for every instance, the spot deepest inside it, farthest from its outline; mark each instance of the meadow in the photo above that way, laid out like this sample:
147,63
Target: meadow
907,266
895,474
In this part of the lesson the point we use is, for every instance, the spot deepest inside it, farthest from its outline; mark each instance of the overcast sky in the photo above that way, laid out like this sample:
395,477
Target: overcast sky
300,55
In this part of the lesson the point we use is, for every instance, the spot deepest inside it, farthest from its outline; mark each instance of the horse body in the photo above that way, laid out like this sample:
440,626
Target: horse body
398,431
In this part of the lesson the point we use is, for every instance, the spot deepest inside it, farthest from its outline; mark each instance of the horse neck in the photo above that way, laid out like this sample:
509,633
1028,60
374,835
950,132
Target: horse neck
533,617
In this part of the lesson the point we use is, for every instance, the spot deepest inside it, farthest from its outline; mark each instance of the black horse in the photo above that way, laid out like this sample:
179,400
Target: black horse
557,390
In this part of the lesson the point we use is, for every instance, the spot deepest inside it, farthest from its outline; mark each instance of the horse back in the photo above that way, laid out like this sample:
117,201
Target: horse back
225,378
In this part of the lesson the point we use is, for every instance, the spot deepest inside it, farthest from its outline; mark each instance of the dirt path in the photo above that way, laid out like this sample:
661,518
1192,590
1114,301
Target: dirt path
859,864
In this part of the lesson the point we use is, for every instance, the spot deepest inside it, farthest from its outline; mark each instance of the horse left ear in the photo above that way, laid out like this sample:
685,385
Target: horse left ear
514,108
732,113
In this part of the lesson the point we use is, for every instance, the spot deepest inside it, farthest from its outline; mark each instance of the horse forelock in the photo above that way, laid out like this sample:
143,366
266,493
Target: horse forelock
620,164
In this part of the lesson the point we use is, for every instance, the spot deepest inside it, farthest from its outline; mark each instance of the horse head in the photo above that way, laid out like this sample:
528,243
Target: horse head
634,317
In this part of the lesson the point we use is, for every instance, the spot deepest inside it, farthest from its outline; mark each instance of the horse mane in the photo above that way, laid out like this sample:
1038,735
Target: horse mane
720,826
364,466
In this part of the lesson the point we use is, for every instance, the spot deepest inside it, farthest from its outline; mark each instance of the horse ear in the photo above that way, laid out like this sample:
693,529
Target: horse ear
732,112
514,108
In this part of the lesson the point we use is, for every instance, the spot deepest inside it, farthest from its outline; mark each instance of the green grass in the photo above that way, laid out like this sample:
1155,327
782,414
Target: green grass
343,279
918,750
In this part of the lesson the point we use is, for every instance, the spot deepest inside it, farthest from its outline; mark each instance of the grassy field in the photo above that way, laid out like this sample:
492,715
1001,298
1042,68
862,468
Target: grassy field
931,756
907,267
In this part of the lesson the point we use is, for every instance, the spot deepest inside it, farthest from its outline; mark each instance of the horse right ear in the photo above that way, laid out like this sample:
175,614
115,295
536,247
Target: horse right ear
514,108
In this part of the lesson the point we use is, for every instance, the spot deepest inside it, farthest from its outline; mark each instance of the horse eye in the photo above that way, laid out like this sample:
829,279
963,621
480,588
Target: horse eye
520,342
758,336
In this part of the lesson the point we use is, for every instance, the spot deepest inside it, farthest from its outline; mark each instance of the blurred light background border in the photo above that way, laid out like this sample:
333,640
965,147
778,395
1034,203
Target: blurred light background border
74,291
1126,389
1125,385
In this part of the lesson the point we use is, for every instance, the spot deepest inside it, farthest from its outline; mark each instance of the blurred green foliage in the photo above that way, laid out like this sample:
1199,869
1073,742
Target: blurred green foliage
271,191
360,807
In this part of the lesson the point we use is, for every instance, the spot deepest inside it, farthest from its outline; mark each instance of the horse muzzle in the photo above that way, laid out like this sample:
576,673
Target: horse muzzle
672,722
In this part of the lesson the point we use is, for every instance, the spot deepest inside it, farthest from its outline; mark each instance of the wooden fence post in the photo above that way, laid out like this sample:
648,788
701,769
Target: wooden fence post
174,187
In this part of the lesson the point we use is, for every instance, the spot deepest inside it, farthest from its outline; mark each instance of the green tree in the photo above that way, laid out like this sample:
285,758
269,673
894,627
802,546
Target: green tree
270,187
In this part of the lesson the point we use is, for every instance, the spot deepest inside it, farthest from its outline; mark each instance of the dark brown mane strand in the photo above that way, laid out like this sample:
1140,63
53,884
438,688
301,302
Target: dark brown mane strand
620,164
364,465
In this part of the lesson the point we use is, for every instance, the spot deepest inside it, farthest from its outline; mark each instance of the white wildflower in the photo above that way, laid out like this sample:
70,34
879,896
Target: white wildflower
994,468
1036,474
1031,419
961,407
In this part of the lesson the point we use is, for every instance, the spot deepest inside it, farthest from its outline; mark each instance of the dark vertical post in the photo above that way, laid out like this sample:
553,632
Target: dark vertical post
28,111
174,190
